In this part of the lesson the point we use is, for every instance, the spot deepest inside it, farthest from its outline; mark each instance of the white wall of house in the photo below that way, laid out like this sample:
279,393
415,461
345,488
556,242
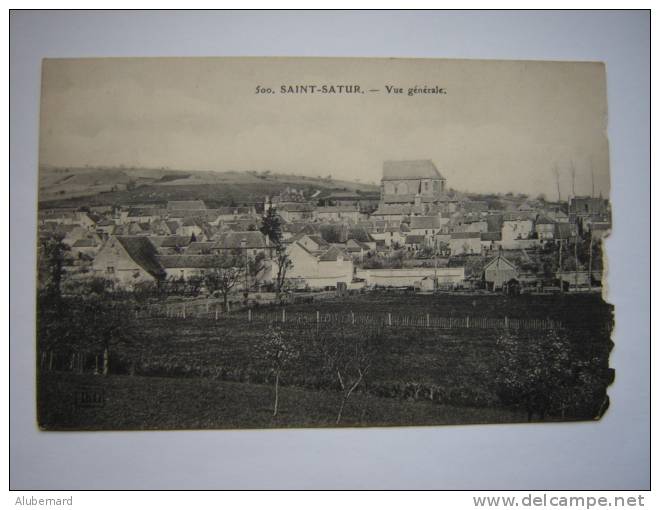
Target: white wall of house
314,272
514,230
546,231
410,277
468,246
185,272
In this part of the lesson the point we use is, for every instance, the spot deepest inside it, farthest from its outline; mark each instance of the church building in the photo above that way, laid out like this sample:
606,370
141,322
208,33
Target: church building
411,182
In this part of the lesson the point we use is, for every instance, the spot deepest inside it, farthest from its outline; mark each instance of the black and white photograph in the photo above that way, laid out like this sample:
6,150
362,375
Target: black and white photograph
234,243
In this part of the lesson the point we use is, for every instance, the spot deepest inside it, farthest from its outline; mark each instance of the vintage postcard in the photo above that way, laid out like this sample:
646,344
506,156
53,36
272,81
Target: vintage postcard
306,242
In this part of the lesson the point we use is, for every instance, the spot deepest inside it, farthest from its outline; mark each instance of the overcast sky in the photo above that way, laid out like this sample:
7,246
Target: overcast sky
501,126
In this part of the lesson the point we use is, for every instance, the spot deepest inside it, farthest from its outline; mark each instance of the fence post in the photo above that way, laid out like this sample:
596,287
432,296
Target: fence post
428,321
389,318
216,312
467,321
352,317
96,364
50,360
249,314
283,314
506,322
184,310
318,316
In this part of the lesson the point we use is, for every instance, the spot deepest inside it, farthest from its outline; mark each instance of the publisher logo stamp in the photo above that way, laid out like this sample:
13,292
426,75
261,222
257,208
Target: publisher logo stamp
89,396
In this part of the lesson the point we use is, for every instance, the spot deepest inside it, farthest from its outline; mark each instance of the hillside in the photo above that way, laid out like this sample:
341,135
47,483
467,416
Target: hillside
74,187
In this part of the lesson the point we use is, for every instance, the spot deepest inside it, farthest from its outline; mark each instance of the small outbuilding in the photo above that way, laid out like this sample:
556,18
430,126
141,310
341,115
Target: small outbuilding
498,272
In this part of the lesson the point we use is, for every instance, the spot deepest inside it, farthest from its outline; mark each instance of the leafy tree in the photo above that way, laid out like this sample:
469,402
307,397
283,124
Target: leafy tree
333,233
534,374
271,227
278,350
53,256
93,321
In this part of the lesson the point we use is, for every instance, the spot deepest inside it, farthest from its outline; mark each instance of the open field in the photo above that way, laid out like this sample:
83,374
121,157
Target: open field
78,187
142,403
415,366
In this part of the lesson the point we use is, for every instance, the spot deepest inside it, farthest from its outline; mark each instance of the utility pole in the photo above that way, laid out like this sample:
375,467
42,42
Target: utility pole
244,245
576,257
555,171
591,251
561,281
573,178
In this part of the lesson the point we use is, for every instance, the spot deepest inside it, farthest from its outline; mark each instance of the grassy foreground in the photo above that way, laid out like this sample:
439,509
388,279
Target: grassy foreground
144,403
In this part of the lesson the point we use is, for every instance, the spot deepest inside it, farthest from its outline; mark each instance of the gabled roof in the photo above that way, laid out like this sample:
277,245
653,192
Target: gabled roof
241,224
356,246
295,207
338,209
518,216
392,210
192,222
233,240
199,248
318,240
410,169
333,253
466,235
143,253
175,241
424,222
360,233
500,262
185,204
300,228
544,220
129,229
229,211
491,236
415,239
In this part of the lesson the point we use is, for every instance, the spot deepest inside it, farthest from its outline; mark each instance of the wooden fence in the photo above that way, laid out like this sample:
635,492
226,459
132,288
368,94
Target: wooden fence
214,311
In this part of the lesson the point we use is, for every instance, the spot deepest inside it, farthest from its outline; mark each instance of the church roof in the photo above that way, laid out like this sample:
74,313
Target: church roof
410,169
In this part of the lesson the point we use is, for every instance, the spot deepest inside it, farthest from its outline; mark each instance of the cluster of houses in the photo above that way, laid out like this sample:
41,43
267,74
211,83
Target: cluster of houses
414,214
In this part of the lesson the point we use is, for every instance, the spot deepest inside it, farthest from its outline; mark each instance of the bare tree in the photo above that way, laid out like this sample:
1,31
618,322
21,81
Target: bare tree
284,263
349,358
225,274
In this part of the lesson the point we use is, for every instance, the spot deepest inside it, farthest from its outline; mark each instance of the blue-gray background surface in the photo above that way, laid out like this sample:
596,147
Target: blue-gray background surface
611,454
